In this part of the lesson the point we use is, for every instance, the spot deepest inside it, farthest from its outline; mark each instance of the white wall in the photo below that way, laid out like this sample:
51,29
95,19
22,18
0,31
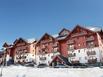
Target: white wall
48,58
82,55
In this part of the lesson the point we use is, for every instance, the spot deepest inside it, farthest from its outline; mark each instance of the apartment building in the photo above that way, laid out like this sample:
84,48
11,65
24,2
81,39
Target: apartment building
82,45
46,48
21,50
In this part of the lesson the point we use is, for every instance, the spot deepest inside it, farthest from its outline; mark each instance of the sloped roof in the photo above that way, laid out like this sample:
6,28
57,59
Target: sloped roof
62,58
44,36
61,37
55,35
30,40
94,28
25,40
63,30
5,45
79,27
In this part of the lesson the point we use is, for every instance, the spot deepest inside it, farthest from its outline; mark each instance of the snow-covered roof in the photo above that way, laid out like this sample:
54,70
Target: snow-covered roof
55,35
94,28
30,40
61,37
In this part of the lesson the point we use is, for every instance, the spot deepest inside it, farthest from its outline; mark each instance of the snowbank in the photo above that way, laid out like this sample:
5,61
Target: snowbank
20,71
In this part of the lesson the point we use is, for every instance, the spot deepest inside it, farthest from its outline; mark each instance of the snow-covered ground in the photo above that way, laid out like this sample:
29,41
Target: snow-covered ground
20,71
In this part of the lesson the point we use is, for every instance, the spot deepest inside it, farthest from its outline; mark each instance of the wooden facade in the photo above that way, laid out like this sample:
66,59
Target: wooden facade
80,39
46,48
79,45
20,50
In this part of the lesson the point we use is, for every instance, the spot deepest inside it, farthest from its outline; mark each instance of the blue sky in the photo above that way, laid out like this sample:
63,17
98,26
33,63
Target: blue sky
32,18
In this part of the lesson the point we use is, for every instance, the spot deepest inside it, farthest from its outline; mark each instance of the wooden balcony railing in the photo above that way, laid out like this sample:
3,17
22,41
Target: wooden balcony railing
90,39
71,48
78,34
91,61
42,58
71,42
55,45
91,53
71,55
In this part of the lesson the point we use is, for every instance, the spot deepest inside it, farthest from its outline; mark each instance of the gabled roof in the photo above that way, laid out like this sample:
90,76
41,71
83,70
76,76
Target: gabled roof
24,40
63,59
62,37
64,29
32,40
17,40
5,45
78,26
46,34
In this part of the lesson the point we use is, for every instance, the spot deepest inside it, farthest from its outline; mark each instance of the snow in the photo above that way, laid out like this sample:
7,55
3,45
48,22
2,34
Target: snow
55,35
94,28
21,71
30,40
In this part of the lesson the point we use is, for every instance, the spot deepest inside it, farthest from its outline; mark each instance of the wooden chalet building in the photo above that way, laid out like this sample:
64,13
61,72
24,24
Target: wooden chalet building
22,50
8,51
82,45
46,48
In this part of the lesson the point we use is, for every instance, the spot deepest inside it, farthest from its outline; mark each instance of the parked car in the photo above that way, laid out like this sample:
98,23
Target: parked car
42,66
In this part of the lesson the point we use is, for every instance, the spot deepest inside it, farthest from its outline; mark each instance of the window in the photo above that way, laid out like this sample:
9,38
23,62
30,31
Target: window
71,47
78,51
91,53
55,49
74,54
42,58
90,38
90,44
85,58
79,58
52,57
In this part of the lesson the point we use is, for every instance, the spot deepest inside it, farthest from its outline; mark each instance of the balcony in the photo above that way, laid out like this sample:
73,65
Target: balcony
55,45
74,60
71,48
90,39
91,53
90,44
92,61
78,34
42,58
71,54
71,42
46,41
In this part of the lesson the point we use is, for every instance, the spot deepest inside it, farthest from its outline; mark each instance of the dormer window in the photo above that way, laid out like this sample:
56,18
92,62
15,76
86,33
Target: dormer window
64,32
